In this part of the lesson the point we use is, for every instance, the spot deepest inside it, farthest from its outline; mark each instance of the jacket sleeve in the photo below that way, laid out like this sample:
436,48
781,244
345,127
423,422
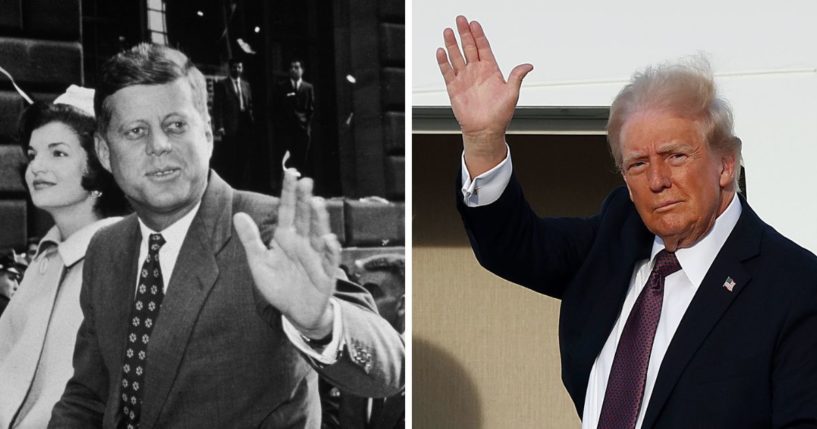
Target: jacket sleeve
371,362
794,370
511,241
83,401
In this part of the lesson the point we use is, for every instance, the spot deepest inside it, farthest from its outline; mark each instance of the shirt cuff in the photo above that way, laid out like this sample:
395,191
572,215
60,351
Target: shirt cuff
488,186
329,354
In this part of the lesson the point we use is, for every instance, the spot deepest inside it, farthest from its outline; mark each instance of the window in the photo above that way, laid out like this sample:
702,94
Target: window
157,25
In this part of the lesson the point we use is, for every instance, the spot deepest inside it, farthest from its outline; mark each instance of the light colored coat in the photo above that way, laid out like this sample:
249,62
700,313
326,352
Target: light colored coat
39,327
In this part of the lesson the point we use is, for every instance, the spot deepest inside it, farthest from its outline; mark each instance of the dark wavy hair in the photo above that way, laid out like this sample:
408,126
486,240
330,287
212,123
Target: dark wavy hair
147,64
95,178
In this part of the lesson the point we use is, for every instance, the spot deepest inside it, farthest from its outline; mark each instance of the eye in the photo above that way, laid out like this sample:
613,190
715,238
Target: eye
135,133
176,127
58,153
677,158
635,167
30,155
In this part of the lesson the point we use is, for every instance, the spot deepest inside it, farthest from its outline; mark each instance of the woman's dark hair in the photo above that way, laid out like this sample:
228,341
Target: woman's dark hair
95,178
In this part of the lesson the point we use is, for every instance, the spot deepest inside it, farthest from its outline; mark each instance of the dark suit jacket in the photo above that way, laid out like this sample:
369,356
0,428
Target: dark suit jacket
297,105
226,107
740,359
343,410
218,356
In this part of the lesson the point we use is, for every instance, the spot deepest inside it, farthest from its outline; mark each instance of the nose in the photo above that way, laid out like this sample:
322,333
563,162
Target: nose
659,176
158,144
36,164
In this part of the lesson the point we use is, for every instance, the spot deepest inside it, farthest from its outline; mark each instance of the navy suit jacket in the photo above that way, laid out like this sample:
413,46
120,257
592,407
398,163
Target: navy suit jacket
745,358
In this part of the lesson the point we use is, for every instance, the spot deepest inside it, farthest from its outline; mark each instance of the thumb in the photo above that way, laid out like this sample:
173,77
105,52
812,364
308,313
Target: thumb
518,73
249,235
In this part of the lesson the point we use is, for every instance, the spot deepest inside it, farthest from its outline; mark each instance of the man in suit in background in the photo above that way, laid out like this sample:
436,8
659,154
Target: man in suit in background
680,307
296,99
233,120
190,318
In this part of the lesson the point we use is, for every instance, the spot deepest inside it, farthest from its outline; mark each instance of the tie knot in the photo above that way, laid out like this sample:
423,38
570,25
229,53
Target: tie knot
666,263
156,241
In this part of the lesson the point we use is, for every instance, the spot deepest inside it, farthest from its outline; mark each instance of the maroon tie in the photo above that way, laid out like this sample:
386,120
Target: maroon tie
625,386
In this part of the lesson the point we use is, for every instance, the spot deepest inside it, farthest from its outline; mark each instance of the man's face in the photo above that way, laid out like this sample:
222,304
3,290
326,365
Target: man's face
236,70
295,70
388,304
678,184
158,147
8,285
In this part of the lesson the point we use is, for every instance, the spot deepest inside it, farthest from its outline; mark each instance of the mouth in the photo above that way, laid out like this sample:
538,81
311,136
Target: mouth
666,206
42,184
164,173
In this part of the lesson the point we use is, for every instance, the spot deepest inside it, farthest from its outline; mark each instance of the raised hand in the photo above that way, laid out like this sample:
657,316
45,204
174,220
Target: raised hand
482,100
296,271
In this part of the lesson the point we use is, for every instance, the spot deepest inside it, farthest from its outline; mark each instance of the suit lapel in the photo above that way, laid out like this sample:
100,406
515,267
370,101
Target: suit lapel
707,306
632,244
192,280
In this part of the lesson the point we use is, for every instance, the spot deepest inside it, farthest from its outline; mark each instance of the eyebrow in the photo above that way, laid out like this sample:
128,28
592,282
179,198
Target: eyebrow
662,148
55,144
672,146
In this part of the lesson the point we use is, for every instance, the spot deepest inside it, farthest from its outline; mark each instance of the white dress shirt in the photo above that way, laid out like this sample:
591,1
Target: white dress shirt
169,253
679,288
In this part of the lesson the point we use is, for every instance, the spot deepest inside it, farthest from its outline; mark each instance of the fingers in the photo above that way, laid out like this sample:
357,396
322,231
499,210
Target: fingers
303,210
469,47
249,235
330,258
445,67
321,238
518,73
483,47
320,223
286,208
454,55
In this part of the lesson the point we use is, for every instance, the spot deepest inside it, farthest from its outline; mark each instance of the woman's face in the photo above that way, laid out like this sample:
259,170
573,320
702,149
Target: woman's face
56,162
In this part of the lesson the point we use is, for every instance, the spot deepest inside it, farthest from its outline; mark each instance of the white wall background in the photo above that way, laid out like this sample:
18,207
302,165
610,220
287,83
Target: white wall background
764,55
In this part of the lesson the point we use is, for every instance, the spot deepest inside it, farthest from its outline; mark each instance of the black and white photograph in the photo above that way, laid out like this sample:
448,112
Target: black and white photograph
202,211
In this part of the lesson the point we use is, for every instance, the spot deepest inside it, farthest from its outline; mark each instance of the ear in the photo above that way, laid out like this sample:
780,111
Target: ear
729,169
102,151
208,134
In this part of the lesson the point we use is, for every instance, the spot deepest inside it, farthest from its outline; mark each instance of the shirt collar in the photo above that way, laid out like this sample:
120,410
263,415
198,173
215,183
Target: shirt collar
72,249
696,260
175,232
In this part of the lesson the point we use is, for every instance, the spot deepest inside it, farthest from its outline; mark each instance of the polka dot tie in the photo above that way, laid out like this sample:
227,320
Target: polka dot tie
625,386
143,317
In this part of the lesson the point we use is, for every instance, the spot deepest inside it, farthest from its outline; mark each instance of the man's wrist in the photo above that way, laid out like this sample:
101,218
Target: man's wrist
482,152
323,331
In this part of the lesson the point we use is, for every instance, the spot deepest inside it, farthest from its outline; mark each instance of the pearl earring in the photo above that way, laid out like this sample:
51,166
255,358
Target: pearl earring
96,194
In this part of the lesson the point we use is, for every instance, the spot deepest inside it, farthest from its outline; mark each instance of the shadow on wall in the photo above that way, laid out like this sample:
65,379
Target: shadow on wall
444,395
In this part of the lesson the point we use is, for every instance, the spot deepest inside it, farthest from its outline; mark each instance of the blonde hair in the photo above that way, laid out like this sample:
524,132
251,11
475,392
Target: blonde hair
686,88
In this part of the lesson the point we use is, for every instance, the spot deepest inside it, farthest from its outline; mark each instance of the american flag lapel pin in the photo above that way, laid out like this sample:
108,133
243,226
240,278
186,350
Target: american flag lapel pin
729,284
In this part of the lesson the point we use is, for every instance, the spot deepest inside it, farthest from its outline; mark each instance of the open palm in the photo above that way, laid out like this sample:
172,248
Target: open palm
296,271
482,100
